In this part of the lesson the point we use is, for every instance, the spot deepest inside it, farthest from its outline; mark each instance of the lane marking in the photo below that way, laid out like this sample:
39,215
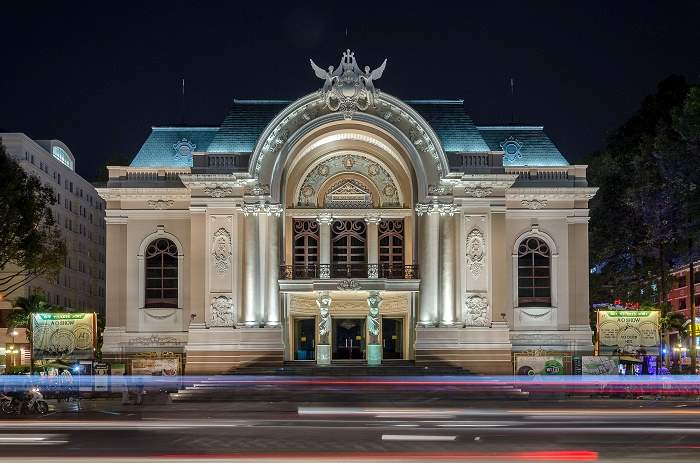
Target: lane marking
417,437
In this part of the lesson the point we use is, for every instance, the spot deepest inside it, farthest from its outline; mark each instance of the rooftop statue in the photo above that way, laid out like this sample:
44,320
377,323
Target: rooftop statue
347,88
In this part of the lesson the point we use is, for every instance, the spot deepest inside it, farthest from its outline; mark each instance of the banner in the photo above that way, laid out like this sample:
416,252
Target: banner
69,336
539,365
602,365
628,331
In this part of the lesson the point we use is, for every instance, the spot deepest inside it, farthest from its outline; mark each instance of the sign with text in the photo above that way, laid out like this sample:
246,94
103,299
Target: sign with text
628,331
539,365
63,336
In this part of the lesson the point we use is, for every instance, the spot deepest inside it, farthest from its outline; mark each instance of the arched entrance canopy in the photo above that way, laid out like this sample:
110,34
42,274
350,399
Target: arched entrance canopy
389,114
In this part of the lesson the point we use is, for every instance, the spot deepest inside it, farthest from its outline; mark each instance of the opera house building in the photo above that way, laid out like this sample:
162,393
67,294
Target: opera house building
346,225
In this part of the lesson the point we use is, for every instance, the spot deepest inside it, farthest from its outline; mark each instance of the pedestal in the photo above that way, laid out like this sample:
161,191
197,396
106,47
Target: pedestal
374,354
323,354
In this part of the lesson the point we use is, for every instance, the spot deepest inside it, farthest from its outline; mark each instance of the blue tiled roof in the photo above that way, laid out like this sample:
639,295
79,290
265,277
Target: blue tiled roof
452,124
243,125
247,119
159,149
534,148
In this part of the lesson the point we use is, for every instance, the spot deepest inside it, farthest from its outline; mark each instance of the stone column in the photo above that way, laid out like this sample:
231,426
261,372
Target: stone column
116,271
374,329
324,244
447,270
428,267
373,246
498,268
273,267
323,347
251,293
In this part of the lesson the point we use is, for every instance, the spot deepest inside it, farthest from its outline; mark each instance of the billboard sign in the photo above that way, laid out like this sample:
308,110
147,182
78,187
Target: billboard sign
628,331
539,365
63,336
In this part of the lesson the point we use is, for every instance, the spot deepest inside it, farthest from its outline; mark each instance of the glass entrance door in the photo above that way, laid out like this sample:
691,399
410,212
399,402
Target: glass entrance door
392,338
349,338
304,339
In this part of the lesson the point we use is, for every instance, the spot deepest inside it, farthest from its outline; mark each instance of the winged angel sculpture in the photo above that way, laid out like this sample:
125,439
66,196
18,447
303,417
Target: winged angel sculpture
347,88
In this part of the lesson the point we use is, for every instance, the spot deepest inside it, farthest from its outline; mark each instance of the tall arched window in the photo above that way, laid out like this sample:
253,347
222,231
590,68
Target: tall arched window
161,273
534,273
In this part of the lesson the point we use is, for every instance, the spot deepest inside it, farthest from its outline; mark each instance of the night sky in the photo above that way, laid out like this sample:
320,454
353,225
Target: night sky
99,77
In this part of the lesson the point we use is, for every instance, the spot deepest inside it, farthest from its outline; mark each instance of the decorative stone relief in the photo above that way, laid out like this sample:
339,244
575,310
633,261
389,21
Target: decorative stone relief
218,191
262,208
222,312
160,204
348,285
258,190
221,250
476,252
440,190
347,89
184,148
476,311
382,180
436,208
374,301
534,203
154,340
478,191
324,306
511,149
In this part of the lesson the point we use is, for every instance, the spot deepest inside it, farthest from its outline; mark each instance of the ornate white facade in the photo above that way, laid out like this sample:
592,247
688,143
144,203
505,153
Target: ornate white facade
347,225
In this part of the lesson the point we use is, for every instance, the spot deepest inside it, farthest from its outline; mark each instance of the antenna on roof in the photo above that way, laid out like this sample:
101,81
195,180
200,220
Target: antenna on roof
512,100
183,102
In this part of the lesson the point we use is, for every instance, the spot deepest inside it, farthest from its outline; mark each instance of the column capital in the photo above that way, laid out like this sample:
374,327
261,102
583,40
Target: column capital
262,208
373,219
436,207
324,218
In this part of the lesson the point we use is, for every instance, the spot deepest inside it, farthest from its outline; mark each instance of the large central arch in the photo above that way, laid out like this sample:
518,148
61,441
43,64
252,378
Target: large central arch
392,119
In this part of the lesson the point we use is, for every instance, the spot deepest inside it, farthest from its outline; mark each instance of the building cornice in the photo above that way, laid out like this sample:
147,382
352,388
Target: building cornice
567,193
143,193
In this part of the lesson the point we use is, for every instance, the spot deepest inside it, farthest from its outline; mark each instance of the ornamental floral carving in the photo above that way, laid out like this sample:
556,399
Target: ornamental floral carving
476,252
478,191
534,203
160,204
324,306
222,313
348,285
476,311
154,340
221,250
218,191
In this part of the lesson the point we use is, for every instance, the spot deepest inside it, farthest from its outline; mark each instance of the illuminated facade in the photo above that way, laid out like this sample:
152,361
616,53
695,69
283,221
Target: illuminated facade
347,225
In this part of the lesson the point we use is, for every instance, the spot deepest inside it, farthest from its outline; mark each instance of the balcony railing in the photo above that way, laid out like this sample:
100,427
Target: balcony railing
362,270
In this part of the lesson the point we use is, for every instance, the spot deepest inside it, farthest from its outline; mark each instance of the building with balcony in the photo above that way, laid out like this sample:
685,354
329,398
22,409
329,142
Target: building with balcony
346,225
79,214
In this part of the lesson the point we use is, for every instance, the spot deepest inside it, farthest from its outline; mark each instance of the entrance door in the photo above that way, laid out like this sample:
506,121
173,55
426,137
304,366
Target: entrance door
392,338
304,339
349,336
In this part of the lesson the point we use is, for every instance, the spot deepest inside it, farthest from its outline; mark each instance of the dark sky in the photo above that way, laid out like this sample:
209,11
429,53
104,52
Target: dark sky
98,77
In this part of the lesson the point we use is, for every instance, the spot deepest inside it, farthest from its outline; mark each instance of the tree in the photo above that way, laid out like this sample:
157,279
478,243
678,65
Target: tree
30,241
638,215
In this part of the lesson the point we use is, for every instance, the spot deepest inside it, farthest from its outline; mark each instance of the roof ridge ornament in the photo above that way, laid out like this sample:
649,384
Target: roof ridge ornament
347,88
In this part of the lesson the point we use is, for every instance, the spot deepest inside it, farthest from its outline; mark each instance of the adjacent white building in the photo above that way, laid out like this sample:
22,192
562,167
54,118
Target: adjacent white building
79,212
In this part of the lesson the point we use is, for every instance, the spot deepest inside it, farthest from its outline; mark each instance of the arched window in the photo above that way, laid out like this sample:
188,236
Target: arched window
534,273
161,274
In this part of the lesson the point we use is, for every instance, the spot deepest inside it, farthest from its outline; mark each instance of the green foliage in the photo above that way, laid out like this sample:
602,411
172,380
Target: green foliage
30,241
639,218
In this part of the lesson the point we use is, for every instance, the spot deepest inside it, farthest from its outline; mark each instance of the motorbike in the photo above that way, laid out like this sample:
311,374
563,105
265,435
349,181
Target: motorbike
17,403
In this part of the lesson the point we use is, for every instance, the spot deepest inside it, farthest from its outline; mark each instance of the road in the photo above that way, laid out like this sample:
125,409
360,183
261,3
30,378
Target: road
605,430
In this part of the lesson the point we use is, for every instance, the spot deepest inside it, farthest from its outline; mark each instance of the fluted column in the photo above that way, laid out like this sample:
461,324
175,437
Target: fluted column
273,266
373,246
447,270
429,238
324,244
251,294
